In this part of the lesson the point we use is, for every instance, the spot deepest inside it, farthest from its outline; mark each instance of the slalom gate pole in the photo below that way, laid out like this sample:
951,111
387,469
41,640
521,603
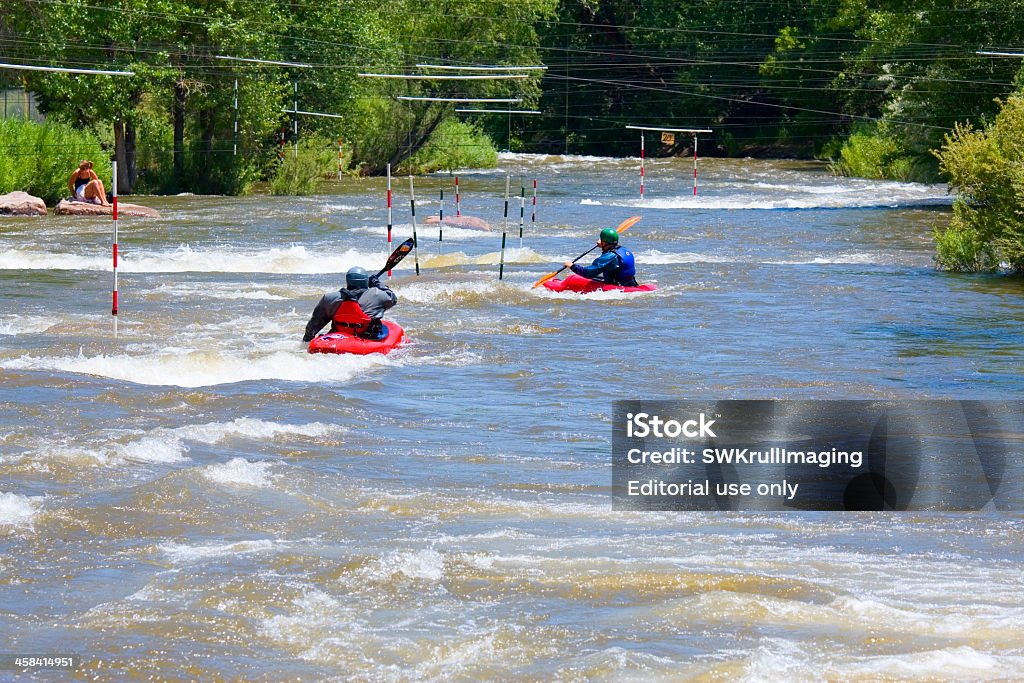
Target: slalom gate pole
522,209
340,158
694,165
389,214
458,201
504,231
416,242
641,166
295,118
280,146
440,224
113,306
235,144
533,215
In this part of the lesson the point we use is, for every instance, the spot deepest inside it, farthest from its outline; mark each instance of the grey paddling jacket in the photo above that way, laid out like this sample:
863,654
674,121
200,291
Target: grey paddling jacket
374,301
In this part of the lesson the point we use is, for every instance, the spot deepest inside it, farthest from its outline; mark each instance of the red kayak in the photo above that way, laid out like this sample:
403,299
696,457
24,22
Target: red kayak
342,342
584,285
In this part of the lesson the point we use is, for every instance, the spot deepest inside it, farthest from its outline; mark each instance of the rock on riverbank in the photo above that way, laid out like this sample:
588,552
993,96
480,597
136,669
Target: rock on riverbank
21,204
69,208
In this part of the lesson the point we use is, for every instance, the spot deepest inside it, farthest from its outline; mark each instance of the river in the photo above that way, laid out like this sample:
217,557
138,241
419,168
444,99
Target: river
199,499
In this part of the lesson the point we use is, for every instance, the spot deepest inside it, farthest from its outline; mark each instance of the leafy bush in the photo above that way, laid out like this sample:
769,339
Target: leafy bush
987,168
299,174
453,145
960,248
38,158
871,152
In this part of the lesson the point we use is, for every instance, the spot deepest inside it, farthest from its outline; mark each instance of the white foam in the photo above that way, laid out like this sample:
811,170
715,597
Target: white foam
830,200
155,448
776,659
181,553
656,257
23,259
331,208
427,235
611,295
431,259
447,292
239,472
424,565
18,511
251,428
12,325
201,368
231,292
170,445
286,260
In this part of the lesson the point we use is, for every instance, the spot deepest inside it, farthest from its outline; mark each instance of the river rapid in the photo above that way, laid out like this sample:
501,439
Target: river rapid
197,498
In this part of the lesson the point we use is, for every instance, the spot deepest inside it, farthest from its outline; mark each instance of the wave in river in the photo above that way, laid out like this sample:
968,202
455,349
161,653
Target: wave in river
790,203
18,511
201,368
286,260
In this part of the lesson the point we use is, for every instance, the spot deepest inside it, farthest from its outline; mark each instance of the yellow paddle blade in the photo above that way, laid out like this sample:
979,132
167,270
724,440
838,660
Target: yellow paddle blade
547,277
627,224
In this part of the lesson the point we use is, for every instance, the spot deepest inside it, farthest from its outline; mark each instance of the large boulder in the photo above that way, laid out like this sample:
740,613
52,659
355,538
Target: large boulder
21,204
66,207
469,222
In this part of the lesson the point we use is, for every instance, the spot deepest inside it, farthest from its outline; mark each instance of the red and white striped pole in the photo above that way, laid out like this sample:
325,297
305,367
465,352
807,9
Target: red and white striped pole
340,158
522,211
389,213
641,166
694,165
458,199
113,306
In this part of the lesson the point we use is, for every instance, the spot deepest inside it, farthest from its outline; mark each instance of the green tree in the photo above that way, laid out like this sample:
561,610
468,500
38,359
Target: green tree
987,169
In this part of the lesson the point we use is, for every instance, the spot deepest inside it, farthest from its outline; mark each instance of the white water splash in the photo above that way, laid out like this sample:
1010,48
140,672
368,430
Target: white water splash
202,368
239,472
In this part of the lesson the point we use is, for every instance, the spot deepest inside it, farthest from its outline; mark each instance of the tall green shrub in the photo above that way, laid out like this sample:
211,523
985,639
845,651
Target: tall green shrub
38,158
299,174
453,145
987,169
875,152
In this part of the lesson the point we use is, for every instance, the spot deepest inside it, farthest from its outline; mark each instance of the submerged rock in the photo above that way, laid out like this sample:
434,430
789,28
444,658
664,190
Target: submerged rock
471,222
66,207
21,204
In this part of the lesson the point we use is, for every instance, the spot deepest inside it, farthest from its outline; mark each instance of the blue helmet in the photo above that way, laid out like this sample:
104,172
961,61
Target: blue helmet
357,278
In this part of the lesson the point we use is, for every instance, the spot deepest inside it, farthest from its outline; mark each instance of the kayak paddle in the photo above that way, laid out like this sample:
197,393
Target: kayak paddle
623,226
397,255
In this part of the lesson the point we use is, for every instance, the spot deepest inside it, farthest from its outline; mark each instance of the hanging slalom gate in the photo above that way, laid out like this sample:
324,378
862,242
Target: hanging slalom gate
693,131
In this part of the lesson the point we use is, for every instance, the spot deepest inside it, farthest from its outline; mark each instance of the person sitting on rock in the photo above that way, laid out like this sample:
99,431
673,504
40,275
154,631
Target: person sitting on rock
86,186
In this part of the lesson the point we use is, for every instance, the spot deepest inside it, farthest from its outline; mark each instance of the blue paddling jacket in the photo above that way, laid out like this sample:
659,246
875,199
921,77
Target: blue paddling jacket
615,266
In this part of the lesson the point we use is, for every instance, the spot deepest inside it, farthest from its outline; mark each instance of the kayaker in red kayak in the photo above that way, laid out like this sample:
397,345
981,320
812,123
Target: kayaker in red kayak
615,265
356,309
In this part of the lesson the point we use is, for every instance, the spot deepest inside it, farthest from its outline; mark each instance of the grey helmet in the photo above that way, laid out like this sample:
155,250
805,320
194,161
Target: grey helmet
357,278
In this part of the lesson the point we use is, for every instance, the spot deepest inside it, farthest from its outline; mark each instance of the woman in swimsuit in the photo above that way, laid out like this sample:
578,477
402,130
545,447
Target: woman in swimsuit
86,186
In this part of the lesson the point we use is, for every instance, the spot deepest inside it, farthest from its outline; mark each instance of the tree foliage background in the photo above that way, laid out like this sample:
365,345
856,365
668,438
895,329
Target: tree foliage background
875,85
